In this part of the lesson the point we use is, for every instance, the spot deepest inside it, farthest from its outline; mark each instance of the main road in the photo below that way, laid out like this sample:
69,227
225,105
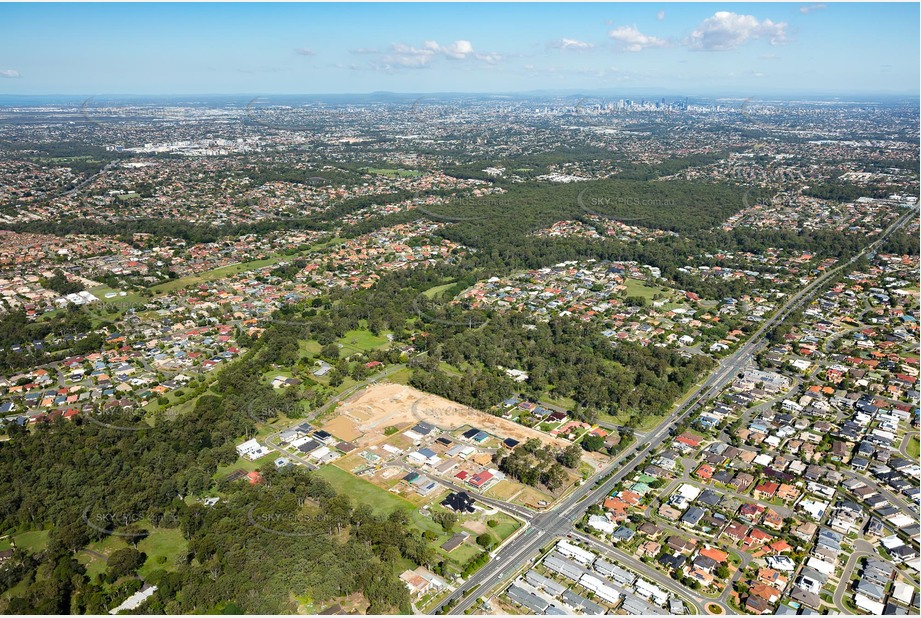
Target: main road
559,520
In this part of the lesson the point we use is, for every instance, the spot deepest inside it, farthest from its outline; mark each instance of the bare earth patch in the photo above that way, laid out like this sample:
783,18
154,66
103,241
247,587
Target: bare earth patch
477,527
343,428
377,407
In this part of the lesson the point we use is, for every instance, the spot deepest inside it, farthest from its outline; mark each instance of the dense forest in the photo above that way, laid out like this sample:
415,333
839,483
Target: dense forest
65,475
564,358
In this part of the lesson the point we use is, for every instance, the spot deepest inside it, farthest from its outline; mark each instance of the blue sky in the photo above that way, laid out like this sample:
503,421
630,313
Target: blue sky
686,49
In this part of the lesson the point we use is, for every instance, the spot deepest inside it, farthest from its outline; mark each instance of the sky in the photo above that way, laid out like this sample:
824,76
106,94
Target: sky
694,49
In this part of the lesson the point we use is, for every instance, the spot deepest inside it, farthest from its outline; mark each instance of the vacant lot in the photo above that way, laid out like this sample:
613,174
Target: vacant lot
511,491
363,492
343,428
913,448
383,405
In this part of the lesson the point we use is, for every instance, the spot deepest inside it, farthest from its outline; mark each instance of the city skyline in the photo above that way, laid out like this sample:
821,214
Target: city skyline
665,49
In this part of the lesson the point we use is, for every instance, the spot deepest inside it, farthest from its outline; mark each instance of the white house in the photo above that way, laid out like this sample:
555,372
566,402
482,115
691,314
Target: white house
252,450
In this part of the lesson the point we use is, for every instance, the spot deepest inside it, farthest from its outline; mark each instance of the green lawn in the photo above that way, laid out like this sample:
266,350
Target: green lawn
309,347
465,552
162,547
361,341
424,522
361,491
438,290
271,374
32,541
559,401
401,376
635,287
914,448
451,370
507,525
94,565
245,464
131,300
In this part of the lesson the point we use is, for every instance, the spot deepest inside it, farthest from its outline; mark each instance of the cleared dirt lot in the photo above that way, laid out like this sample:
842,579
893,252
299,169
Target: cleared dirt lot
380,406
343,428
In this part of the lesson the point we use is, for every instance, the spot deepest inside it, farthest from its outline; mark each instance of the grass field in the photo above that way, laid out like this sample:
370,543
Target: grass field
361,341
517,493
128,301
309,347
636,287
243,463
32,541
464,553
559,401
162,547
94,564
649,421
361,491
401,376
438,290
451,370
914,448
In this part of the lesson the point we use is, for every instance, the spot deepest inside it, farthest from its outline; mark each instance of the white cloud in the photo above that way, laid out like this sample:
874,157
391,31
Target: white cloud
364,50
457,50
571,44
305,51
725,30
632,40
805,10
660,15
491,58
9,74
420,57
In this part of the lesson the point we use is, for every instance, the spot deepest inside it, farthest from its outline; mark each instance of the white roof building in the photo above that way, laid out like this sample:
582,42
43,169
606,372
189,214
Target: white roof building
601,523
576,553
135,600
